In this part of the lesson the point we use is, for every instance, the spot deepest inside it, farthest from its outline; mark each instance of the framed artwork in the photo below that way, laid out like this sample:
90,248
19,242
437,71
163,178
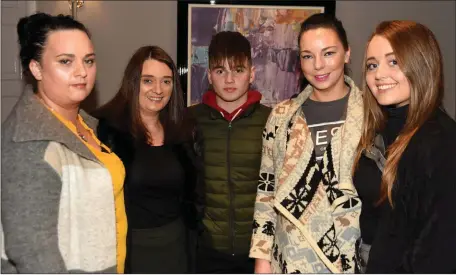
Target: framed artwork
272,28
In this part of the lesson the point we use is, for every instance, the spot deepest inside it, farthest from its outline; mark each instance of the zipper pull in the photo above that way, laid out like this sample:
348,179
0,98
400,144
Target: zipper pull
232,119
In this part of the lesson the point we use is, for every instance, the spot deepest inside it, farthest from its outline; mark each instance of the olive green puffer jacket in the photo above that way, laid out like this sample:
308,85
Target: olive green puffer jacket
232,156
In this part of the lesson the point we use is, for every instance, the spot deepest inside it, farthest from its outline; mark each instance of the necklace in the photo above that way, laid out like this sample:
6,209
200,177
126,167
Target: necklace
81,135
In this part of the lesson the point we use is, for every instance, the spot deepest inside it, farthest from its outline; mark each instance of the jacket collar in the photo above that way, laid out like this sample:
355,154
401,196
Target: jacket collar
300,140
302,96
36,123
314,196
253,98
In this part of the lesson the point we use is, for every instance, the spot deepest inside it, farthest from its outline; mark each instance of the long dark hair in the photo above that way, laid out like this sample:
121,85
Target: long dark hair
123,112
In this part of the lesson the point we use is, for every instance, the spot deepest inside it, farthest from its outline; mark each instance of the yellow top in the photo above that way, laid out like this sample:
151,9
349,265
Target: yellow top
117,170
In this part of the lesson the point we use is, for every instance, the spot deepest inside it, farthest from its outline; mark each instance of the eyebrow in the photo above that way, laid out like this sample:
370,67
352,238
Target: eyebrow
373,58
223,67
324,49
149,75
73,56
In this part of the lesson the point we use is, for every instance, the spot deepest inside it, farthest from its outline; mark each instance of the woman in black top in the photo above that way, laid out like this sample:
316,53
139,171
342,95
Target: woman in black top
406,169
146,125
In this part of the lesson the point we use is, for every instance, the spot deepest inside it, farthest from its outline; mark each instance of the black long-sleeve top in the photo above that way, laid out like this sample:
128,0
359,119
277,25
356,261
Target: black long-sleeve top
155,187
417,234
167,192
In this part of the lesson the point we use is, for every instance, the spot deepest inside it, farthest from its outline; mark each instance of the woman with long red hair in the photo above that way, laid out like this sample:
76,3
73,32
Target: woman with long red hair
406,163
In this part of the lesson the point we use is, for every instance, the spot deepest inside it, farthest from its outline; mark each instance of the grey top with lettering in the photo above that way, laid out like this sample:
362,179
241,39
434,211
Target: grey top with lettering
324,119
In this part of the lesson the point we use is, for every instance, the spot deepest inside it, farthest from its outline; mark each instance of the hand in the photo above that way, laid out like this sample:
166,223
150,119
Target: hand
262,266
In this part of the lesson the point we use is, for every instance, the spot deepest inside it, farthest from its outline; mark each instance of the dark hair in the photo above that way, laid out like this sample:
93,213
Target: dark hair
123,111
328,21
33,32
232,46
325,20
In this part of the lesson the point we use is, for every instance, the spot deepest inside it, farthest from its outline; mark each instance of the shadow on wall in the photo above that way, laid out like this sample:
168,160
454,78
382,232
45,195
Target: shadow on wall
91,102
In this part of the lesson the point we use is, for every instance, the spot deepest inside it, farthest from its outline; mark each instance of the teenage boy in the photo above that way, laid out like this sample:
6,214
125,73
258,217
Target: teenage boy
232,121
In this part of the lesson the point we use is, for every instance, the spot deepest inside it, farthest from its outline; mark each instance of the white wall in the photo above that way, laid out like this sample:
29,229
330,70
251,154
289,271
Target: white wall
12,85
120,27
361,17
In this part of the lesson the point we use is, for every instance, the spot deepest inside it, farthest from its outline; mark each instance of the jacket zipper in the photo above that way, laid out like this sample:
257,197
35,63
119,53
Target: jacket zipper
232,234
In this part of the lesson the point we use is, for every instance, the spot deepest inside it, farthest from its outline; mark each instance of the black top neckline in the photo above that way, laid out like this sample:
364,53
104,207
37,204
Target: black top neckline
397,112
155,146
396,119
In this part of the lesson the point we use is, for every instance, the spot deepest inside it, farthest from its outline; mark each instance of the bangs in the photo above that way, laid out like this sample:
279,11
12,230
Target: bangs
235,60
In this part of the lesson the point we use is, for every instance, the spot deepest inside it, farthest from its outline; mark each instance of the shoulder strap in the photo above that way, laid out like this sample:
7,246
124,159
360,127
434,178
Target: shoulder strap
377,152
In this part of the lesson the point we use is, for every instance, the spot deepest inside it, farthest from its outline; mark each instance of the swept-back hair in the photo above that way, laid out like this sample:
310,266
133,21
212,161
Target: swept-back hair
419,58
33,32
326,21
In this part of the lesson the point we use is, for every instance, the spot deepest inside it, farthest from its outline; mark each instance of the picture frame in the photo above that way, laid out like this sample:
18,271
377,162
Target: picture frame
271,27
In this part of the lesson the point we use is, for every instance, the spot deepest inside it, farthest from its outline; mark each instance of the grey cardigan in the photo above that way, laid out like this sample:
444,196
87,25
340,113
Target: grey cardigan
58,212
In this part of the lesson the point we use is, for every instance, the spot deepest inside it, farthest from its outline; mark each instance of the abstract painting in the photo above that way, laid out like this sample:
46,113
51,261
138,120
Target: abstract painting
272,31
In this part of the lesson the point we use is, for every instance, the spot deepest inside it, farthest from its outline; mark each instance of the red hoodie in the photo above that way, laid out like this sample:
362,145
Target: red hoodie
209,98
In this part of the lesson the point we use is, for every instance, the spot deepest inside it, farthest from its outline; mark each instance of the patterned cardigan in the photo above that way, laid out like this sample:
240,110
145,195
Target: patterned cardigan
57,199
306,214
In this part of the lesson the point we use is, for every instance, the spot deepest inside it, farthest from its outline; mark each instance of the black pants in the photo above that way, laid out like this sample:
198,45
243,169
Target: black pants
210,261
158,250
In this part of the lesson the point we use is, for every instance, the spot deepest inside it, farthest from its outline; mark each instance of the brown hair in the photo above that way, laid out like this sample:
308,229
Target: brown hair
419,58
232,46
123,110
